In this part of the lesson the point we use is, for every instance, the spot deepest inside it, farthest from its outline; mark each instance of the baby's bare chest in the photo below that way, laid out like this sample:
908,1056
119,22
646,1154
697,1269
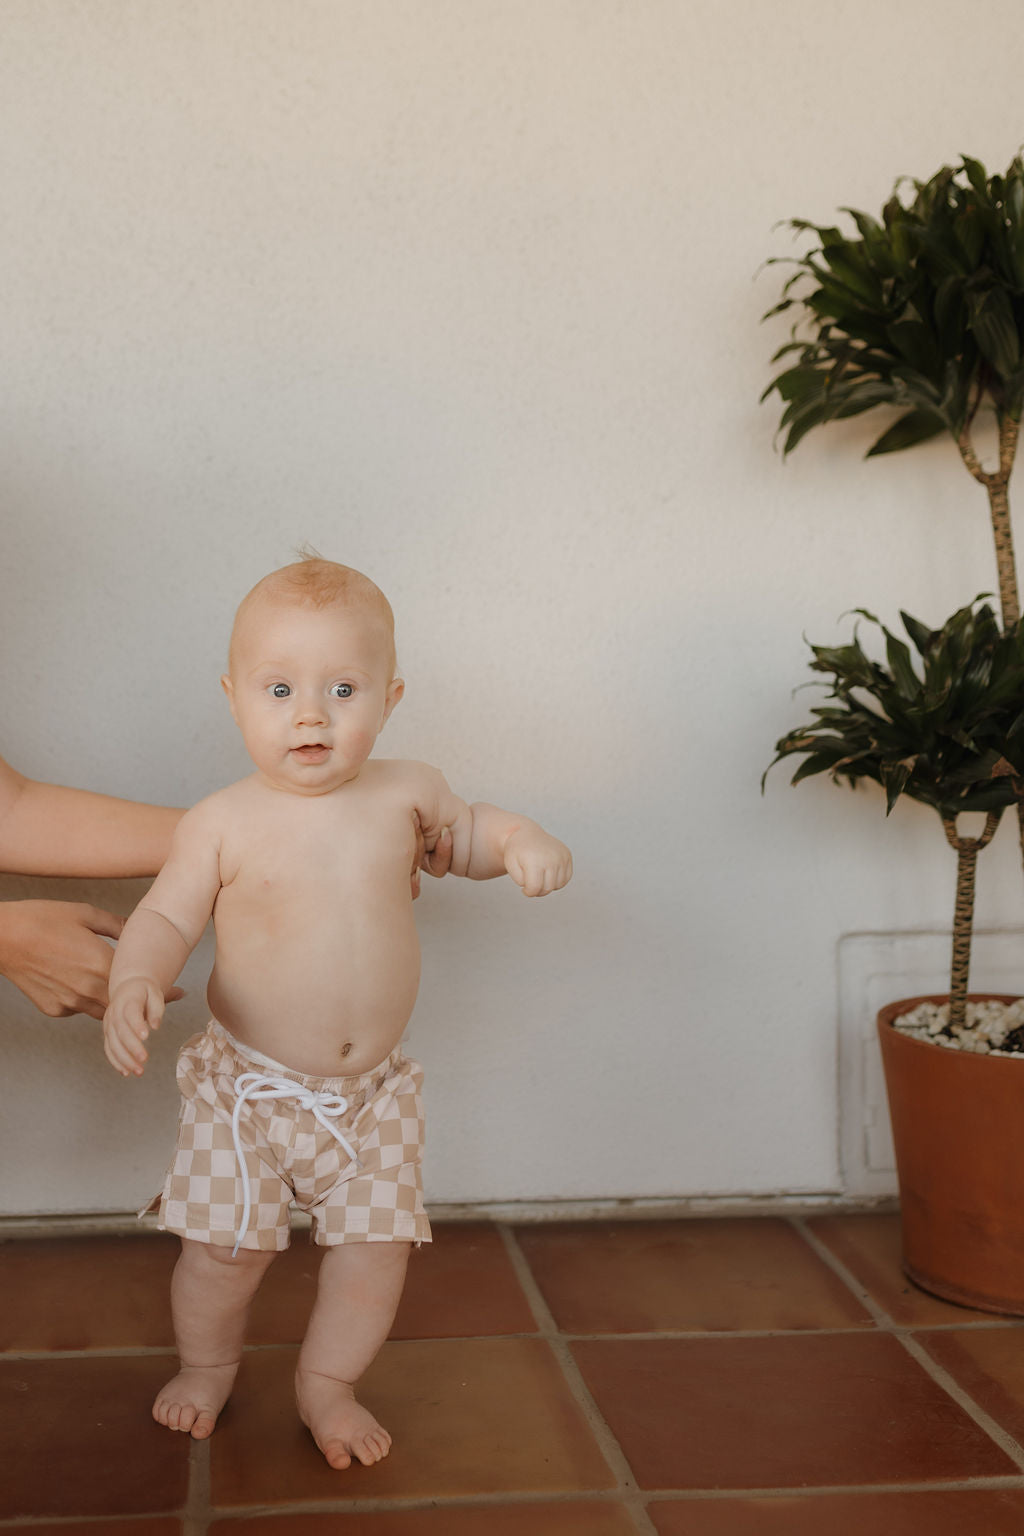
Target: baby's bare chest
307,854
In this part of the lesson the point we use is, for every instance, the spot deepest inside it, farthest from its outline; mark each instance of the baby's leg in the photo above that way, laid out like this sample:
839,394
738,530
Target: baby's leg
359,1291
210,1296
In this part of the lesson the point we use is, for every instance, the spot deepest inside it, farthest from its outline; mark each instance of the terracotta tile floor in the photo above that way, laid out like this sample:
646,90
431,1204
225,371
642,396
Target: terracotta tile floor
754,1377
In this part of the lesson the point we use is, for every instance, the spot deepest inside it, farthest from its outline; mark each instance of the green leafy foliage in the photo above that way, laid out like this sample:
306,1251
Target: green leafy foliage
942,721
922,310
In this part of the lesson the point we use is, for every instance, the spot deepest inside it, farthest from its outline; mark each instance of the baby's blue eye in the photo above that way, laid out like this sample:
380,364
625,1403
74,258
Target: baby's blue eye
341,691
280,690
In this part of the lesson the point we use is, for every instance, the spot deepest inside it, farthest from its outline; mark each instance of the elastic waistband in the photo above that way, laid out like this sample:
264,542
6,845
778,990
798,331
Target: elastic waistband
348,1086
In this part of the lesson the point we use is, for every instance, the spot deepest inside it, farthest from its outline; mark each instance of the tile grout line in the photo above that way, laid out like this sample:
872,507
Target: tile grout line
417,1503
608,1445
878,1314
1009,1483
1006,1442
95,1352
142,1351
196,1515
109,1525
905,1337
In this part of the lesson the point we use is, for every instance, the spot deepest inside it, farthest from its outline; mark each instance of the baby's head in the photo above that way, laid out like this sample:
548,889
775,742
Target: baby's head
311,673
316,584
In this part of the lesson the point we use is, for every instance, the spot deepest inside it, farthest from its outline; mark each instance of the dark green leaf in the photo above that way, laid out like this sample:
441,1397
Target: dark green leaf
904,676
817,762
812,416
895,780
917,343
915,427
995,327
977,176
919,633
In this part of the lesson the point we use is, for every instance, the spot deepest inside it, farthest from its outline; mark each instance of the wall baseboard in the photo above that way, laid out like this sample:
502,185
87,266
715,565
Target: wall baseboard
522,1212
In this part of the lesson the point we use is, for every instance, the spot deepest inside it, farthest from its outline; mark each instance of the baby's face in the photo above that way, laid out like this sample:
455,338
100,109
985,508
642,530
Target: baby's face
310,689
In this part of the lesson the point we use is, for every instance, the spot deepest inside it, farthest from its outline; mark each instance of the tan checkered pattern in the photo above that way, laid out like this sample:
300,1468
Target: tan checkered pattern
291,1158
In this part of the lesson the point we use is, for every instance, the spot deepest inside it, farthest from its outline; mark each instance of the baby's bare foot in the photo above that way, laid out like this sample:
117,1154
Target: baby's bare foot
341,1427
192,1400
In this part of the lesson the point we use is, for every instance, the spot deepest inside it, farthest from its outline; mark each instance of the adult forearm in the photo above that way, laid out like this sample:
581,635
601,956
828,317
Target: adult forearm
46,829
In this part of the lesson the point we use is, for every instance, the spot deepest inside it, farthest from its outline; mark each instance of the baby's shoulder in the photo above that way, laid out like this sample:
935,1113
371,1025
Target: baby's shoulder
213,833
209,816
420,789
405,775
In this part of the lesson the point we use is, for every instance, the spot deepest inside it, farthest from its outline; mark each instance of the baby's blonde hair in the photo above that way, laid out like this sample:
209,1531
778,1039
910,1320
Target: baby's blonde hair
318,583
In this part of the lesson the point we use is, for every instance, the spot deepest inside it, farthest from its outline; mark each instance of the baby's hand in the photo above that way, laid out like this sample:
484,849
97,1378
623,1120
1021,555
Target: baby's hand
136,1008
537,862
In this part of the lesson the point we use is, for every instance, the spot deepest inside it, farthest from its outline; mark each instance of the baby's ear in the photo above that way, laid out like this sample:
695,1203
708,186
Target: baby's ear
395,690
225,683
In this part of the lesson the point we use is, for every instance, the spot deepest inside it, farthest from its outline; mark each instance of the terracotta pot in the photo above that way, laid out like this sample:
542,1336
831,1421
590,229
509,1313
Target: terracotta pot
958,1126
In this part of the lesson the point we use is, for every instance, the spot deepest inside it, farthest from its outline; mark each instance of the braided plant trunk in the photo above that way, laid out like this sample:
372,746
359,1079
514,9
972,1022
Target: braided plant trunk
997,484
967,850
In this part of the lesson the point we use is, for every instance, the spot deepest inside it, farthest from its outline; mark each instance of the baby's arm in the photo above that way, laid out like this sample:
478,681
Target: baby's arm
536,861
159,937
487,841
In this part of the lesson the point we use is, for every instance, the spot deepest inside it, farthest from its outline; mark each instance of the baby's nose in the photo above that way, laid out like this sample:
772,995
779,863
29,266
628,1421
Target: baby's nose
310,711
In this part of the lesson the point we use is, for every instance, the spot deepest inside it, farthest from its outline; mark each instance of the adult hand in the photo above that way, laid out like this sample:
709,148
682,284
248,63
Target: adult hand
437,861
55,952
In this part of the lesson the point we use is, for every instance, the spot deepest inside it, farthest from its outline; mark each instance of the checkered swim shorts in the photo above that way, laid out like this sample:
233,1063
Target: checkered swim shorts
292,1156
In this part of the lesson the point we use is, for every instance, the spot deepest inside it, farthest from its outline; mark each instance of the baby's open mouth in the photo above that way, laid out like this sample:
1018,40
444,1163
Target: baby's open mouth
312,752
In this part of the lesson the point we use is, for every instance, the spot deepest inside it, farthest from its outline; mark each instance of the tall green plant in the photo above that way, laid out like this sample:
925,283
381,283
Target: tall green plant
922,310
944,727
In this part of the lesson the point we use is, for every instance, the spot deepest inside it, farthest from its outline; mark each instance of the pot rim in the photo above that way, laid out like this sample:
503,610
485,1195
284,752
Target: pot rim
888,1014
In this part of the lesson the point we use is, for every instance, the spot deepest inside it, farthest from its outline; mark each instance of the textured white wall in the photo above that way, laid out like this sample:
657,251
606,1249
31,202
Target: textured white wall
466,294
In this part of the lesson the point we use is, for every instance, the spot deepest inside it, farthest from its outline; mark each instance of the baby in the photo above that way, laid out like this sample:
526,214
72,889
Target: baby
298,1091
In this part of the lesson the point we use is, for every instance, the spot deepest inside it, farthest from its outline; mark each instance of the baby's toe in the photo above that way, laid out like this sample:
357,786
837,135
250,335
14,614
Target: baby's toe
337,1455
165,1411
373,1447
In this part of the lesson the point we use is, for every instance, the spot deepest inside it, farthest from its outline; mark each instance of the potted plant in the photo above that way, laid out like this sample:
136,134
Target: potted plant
923,310
942,723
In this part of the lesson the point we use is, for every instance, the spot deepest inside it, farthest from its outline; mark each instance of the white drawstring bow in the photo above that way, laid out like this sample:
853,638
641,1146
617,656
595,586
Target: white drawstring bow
250,1086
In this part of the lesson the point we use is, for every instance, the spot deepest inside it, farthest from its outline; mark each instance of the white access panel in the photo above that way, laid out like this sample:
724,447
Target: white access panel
875,969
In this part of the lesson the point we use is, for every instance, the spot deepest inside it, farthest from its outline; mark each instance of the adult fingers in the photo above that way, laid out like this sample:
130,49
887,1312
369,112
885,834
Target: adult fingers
437,861
107,924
